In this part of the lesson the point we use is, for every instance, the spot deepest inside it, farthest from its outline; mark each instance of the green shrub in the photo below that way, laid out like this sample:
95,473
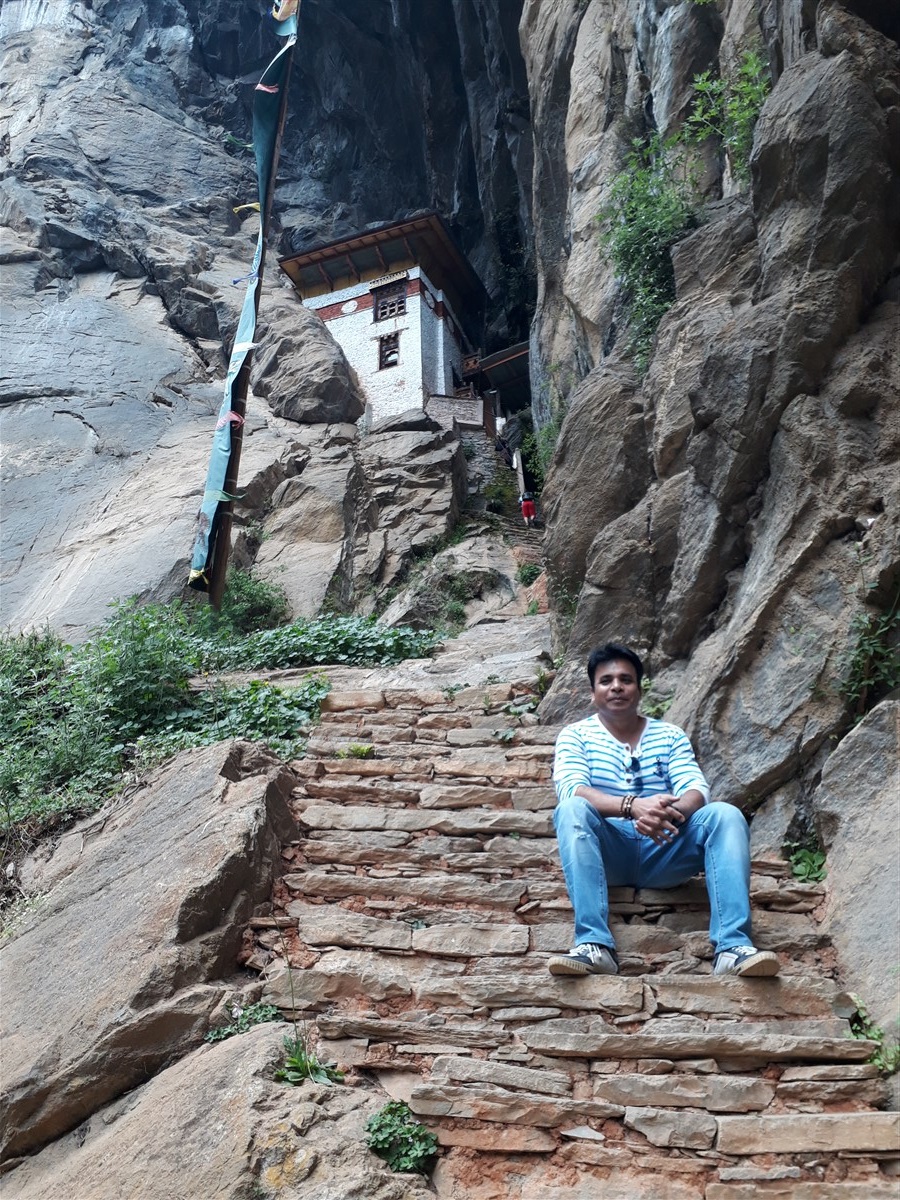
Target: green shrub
729,109
248,604
350,641
886,1056
76,724
873,662
528,573
648,211
538,449
243,1019
396,1136
357,750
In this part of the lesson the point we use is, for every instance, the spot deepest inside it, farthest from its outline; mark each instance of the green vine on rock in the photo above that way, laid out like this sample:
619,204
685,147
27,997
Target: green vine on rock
873,663
648,211
728,108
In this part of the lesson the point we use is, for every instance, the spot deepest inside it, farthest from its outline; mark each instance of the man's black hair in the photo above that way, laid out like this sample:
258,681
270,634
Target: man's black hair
612,652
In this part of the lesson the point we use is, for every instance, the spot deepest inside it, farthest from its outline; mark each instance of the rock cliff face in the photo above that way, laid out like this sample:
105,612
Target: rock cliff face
730,513
120,171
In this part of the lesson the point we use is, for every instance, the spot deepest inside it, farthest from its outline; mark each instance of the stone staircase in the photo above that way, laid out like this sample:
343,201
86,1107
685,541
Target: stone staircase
529,537
417,911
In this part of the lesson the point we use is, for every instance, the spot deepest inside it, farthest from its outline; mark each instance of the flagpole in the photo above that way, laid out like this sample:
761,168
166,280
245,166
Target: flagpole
225,512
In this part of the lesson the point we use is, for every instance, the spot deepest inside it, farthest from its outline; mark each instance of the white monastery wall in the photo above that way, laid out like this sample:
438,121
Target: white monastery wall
431,343
348,314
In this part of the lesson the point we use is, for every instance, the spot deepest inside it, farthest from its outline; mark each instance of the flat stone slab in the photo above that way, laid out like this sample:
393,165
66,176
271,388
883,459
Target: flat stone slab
780,997
479,1070
351,701
584,1037
870,1189
330,925
369,791
801,1133
484,1103
715,1093
516,1139
435,888
647,940
471,941
471,795
616,994
463,822
415,1033
662,1127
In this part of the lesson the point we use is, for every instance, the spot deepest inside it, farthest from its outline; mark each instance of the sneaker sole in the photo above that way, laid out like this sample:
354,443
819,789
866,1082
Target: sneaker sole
565,966
762,965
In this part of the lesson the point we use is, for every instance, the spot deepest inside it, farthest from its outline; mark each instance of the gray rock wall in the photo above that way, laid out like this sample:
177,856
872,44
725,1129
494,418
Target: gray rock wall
732,513
118,181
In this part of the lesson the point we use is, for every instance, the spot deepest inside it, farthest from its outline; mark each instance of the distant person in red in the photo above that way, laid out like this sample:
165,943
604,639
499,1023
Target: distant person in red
528,510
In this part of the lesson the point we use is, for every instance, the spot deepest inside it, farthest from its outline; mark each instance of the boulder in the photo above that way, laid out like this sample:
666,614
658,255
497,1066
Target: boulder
855,809
301,370
126,957
217,1124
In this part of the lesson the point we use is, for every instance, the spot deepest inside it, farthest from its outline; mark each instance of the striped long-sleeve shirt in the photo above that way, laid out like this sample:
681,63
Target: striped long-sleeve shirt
588,754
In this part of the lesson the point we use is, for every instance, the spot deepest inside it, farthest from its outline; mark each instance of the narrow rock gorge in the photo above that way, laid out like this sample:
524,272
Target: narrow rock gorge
728,507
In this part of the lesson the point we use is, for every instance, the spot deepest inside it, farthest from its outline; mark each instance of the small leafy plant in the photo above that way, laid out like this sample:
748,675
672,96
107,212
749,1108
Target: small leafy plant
300,1064
808,864
357,750
653,703
528,573
396,1136
887,1055
728,108
243,1019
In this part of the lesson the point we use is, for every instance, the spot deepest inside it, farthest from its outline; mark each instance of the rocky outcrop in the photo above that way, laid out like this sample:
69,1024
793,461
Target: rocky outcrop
733,548
354,514
101,994
854,808
180,1131
302,371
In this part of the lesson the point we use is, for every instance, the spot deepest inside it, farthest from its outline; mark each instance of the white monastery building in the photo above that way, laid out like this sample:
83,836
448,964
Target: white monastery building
406,307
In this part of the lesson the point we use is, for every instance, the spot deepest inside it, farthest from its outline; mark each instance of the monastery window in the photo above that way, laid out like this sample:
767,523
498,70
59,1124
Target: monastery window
389,301
388,351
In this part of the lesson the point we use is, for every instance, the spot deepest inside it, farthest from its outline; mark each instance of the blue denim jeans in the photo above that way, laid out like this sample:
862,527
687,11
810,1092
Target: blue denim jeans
602,852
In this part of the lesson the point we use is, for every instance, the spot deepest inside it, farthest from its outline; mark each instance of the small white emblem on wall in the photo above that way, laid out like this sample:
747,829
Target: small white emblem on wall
350,306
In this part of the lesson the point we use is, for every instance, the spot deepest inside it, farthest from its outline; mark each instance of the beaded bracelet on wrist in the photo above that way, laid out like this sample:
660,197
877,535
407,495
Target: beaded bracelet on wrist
627,805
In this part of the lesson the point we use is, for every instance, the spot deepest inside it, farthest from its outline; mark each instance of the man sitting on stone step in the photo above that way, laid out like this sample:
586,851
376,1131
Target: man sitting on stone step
633,810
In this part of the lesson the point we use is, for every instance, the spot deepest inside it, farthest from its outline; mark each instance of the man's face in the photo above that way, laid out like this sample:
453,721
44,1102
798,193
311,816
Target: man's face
616,690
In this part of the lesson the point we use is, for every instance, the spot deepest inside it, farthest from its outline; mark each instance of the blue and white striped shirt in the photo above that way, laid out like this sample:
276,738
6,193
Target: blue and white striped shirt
587,754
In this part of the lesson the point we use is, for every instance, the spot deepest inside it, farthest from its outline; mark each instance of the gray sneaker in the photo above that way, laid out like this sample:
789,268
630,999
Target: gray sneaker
587,959
745,961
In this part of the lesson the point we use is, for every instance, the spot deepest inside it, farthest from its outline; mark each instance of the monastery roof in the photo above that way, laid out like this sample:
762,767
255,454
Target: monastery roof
424,241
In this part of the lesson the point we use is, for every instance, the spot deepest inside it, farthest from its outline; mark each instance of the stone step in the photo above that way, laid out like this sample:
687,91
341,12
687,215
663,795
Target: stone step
793,1133
812,1041
481,1102
340,789
463,821
874,1188
434,888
